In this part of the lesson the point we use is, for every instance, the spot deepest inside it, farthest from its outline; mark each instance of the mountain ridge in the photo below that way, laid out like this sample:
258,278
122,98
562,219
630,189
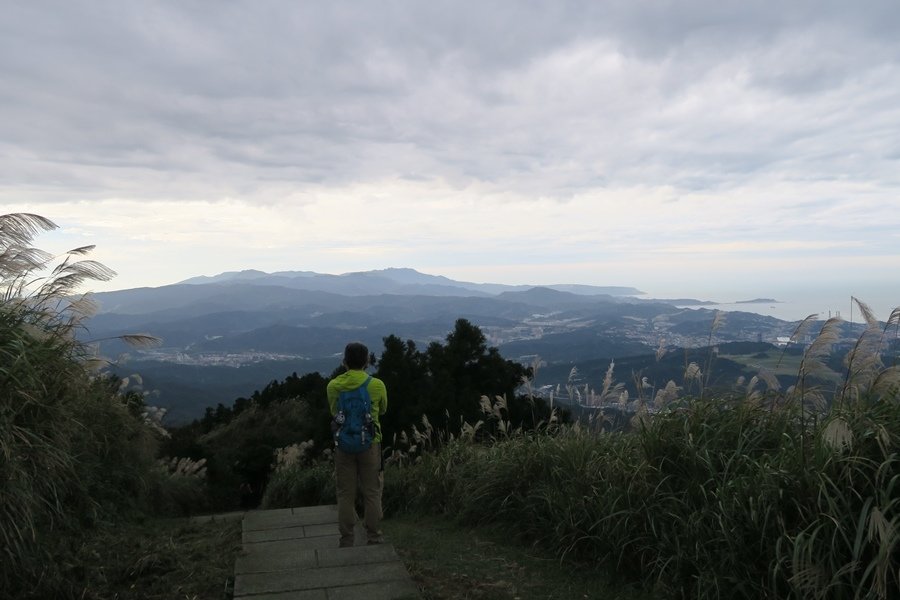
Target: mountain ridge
392,279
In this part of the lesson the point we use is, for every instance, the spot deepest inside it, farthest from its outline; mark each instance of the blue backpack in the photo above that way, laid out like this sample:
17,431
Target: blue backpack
353,426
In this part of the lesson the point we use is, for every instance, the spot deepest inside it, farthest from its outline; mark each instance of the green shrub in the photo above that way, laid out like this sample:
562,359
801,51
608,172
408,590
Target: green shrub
241,453
301,485
72,452
712,500
847,544
178,487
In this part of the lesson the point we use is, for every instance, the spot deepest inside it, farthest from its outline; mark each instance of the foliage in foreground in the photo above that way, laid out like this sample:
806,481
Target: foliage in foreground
711,500
74,451
300,478
157,559
453,562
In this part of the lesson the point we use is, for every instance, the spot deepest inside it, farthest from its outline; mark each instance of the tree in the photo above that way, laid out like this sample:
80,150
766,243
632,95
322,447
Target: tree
405,374
462,371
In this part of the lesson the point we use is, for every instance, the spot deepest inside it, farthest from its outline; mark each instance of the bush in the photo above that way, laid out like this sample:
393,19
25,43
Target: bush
242,452
301,485
711,500
178,487
72,451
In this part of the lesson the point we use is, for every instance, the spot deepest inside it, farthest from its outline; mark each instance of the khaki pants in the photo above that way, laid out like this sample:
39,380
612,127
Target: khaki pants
364,470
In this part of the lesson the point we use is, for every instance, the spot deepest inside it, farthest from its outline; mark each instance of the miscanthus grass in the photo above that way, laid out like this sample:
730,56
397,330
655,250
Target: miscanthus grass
72,446
769,492
300,477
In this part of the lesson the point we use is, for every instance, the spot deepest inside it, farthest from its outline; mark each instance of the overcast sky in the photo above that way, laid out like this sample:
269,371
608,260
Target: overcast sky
671,146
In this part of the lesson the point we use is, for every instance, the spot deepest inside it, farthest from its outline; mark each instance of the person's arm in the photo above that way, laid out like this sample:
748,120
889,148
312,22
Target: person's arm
332,398
382,408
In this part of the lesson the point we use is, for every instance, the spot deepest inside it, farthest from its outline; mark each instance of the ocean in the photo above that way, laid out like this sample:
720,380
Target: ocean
798,303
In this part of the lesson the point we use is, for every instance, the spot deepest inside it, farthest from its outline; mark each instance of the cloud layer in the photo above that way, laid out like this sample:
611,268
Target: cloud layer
632,140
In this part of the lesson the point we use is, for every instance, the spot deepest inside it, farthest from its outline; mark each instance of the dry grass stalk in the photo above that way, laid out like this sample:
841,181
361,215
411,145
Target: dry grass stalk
838,434
666,395
296,454
184,467
770,380
661,349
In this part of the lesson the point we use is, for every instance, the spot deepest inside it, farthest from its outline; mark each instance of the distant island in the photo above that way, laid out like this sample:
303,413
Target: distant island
684,301
759,301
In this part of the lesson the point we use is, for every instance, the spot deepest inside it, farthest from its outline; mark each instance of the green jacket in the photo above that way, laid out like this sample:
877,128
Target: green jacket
351,380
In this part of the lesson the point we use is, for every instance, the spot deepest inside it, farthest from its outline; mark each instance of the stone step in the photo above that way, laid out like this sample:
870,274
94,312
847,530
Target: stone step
293,554
259,520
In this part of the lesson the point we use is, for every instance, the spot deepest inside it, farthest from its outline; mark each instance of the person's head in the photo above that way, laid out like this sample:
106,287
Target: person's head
356,356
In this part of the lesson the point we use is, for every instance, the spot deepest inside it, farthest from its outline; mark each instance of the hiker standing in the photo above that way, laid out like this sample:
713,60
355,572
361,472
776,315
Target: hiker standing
357,400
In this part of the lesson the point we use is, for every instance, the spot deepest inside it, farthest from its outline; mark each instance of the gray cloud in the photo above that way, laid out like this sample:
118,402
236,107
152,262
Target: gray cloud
211,99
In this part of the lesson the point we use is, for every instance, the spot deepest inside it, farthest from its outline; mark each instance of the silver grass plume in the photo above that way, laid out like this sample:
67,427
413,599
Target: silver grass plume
821,347
666,395
661,349
769,378
866,311
802,329
611,391
863,364
837,434
887,383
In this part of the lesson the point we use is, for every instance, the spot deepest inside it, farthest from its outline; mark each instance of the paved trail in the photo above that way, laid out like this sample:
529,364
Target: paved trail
293,554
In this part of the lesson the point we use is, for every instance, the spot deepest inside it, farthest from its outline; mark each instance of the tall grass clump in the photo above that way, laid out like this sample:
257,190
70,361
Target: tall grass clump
242,453
792,494
300,478
72,450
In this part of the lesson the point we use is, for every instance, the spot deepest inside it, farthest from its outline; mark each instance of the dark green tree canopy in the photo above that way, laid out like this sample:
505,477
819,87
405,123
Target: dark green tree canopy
446,382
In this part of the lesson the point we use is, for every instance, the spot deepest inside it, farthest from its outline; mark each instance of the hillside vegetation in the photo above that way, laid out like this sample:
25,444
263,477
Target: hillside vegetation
76,449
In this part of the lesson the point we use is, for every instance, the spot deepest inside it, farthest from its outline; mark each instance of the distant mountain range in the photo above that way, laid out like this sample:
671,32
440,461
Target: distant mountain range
300,312
392,281
244,325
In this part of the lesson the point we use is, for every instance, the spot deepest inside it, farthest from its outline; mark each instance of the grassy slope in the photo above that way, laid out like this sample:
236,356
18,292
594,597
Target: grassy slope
449,561
158,559
782,365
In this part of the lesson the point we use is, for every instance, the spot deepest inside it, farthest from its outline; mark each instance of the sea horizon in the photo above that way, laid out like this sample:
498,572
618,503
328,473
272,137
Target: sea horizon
795,304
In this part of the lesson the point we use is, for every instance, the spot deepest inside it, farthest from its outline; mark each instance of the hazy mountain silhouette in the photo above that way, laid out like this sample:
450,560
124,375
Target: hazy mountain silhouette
391,281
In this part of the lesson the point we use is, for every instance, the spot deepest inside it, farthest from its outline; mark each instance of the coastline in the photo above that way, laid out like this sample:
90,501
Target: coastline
795,305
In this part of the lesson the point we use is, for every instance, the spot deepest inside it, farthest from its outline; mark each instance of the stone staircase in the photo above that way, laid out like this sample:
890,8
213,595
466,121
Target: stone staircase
293,554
